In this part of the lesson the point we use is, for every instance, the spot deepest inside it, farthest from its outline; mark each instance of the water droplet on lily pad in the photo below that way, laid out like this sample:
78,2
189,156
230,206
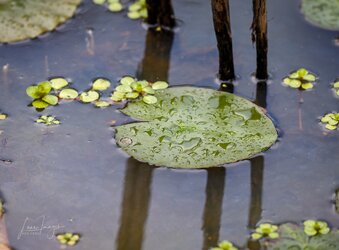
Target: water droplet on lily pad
68,94
89,96
21,20
181,139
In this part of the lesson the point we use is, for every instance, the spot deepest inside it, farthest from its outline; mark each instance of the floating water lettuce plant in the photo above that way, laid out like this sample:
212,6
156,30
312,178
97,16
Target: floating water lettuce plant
192,127
41,95
48,120
225,245
322,13
21,20
293,236
265,230
130,88
300,79
137,10
335,87
3,116
69,239
313,227
112,5
331,120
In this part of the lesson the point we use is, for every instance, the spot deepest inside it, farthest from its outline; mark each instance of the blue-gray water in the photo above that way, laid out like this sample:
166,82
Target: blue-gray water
74,175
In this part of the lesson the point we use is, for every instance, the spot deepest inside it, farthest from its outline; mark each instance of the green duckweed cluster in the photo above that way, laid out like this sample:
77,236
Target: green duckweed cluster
3,116
265,230
112,5
311,234
53,91
130,88
225,245
136,10
331,120
313,227
335,87
48,120
69,239
300,79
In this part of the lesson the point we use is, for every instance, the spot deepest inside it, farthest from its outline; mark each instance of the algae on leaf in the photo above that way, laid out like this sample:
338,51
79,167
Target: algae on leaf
192,127
21,20
322,13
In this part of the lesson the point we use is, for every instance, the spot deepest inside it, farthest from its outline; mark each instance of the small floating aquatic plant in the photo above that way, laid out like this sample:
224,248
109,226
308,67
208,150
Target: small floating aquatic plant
265,230
130,88
300,79
314,227
225,245
335,87
3,116
136,10
331,120
48,120
69,239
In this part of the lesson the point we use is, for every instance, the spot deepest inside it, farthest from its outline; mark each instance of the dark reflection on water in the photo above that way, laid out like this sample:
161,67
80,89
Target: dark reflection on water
261,94
135,205
213,206
156,62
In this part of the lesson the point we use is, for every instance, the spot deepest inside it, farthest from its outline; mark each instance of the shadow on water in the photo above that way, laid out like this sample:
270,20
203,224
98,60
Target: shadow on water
135,205
138,176
213,206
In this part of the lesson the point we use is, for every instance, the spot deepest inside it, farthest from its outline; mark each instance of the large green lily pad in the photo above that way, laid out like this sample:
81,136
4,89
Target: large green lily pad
25,19
322,13
192,127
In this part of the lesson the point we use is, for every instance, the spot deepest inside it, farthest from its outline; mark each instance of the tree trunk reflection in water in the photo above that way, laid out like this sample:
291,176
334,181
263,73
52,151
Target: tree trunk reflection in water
213,206
135,205
160,13
138,178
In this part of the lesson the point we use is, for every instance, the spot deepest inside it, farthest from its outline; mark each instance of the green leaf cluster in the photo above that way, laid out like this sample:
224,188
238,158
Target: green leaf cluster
335,87
331,120
3,116
225,245
293,236
130,88
69,239
300,79
48,120
138,10
48,92
265,230
112,5
93,95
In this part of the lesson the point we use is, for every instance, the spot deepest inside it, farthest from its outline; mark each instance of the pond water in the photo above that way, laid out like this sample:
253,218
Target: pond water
74,177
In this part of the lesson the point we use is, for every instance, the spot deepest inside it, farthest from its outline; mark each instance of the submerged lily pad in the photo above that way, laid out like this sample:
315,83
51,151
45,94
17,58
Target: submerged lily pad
21,20
192,127
322,13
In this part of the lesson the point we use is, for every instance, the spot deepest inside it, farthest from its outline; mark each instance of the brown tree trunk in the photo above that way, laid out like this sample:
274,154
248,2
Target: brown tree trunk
222,27
160,13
